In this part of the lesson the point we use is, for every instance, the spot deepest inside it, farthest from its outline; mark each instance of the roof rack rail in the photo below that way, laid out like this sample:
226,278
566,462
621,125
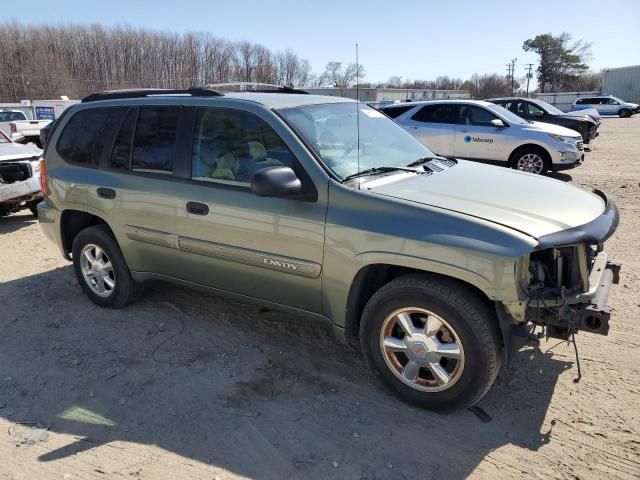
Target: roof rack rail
255,87
199,91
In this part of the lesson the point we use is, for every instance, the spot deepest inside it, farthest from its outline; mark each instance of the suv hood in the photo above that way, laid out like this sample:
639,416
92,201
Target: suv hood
570,116
16,151
552,128
525,202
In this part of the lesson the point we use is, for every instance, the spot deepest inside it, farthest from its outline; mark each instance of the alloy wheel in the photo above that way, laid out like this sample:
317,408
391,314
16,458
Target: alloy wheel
97,270
422,349
530,162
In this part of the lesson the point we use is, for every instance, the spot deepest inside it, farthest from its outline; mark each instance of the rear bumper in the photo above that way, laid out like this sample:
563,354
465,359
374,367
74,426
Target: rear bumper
49,218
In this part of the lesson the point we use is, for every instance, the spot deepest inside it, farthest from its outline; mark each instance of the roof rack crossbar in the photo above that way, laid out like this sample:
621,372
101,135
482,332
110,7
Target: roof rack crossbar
255,87
199,91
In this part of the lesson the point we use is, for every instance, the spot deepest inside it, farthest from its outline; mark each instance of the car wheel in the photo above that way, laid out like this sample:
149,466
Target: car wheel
101,269
532,160
624,113
432,341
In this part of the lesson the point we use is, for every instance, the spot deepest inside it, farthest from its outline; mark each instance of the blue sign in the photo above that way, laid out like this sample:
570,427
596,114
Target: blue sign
45,113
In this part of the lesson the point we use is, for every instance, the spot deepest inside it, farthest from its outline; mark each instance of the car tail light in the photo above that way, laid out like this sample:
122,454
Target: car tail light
13,127
43,178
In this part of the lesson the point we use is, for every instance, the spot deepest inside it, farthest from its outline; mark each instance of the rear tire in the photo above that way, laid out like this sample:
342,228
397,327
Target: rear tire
101,269
411,364
624,113
531,159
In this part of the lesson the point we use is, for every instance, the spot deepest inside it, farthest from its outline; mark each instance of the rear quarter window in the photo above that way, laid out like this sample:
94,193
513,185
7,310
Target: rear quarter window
89,133
154,145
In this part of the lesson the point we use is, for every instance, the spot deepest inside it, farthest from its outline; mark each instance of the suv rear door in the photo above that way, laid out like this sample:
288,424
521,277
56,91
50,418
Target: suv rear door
477,138
433,125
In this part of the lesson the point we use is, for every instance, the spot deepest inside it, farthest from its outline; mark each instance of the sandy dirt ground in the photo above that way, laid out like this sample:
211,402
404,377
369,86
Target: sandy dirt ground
184,385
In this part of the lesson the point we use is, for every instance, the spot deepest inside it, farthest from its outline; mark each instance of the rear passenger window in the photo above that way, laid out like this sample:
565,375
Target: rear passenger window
89,134
154,146
438,114
230,146
122,146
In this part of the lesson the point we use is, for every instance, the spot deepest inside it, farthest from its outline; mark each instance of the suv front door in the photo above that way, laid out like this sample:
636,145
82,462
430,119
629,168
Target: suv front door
262,247
477,138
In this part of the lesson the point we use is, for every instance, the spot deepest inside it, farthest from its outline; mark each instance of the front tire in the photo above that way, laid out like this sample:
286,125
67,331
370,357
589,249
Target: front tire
101,269
531,159
624,113
432,341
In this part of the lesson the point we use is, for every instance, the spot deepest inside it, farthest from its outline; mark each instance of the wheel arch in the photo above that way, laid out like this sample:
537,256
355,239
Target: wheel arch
526,146
370,278
73,222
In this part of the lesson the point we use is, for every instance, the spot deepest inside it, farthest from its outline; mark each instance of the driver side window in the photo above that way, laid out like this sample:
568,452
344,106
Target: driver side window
229,146
534,110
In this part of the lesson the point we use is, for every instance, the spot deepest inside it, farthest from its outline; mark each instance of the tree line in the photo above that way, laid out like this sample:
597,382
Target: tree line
47,61
74,60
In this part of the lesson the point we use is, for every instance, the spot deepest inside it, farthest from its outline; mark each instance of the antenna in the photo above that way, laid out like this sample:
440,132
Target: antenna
358,111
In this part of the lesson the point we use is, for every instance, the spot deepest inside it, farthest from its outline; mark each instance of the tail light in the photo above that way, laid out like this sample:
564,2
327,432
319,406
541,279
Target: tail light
13,127
43,178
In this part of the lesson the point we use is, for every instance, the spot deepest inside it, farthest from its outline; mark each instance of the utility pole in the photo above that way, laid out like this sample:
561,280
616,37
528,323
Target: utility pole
529,76
513,72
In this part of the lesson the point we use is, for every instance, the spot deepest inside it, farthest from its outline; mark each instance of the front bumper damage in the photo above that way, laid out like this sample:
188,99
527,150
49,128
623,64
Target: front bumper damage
569,276
588,312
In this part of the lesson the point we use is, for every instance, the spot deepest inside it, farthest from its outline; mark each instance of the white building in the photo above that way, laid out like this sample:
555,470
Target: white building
387,95
623,82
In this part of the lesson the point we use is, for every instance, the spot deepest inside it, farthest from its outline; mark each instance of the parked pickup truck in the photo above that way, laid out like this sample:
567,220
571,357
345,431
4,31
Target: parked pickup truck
19,176
19,128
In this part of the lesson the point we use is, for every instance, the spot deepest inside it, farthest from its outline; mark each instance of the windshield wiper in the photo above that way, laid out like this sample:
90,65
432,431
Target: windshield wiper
376,170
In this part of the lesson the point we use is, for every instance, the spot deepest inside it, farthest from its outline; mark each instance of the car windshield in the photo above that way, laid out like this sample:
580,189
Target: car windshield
332,131
505,114
11,116
4,138
548,107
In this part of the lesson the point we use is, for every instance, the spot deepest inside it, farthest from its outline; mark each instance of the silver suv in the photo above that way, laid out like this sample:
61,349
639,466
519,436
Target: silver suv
483,131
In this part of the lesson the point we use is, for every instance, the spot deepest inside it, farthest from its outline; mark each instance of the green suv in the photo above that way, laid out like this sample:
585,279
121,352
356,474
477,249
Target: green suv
325,207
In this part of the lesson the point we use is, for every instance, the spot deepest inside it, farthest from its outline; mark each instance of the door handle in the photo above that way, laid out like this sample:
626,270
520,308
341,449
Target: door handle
464,131
106,193
197,208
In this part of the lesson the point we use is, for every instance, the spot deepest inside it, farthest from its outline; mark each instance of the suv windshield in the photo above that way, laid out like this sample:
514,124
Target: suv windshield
505,114
548,107
331,130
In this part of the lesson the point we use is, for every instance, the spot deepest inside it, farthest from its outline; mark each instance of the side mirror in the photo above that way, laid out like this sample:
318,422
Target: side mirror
276,182
496,122
538,113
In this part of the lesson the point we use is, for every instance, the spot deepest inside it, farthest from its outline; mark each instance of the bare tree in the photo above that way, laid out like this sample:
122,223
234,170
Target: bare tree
75,60
339,76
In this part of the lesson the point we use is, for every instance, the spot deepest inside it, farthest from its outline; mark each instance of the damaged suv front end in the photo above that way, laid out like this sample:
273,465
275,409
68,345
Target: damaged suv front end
565,282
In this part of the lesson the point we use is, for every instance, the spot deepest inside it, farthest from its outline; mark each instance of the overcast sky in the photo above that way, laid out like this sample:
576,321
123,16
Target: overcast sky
413,39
